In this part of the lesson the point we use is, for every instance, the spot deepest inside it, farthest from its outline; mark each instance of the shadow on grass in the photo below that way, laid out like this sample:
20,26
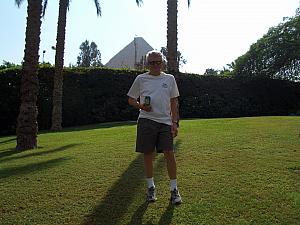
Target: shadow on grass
36,153
8,152
137,217
167,217
32,167
119,197
96,126
122,193
8,140
177,145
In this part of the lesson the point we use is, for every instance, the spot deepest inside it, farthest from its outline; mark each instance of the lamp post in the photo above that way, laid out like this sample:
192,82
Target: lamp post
44,51
54,49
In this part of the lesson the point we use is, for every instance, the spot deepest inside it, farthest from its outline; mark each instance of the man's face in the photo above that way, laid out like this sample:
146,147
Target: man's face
155,64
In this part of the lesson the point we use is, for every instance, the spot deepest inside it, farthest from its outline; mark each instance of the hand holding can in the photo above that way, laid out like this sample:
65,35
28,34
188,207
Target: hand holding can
147,100
146,105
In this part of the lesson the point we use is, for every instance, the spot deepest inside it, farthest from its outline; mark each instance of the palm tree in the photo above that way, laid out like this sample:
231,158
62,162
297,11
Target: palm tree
172,39
172,36
59,62
27,126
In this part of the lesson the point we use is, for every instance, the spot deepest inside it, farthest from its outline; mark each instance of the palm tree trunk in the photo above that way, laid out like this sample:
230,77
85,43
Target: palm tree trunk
172,36
59,63
27,126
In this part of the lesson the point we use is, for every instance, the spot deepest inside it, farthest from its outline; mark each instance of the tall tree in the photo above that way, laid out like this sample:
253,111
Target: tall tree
59,63
172,38
275,55
27,126
89,55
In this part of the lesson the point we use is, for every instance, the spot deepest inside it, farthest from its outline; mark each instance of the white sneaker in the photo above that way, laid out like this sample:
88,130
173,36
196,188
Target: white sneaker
151,195
175,197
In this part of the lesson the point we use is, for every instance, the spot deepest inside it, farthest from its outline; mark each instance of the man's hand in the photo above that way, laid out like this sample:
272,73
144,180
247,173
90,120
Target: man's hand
146,108
174,130
137,105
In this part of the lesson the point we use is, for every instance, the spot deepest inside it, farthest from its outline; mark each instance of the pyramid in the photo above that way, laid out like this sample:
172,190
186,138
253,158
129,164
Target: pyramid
129,56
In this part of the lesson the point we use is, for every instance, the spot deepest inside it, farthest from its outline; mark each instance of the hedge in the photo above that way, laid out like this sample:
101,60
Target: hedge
99,95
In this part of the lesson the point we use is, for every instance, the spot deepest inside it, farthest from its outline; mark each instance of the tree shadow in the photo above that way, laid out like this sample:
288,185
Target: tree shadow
22,170
8,152
8,140
96,126
36,153
119,197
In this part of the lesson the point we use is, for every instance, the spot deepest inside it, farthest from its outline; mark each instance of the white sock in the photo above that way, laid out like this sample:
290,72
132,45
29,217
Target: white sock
150,182
173,184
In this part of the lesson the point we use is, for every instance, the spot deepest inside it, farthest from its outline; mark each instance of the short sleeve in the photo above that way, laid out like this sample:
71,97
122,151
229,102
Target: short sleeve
174,88
134,91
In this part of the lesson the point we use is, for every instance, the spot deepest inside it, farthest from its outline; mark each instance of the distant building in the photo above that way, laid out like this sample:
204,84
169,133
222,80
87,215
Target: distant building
132,56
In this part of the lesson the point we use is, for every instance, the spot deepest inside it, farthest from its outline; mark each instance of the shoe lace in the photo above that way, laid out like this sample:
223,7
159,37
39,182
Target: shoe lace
175,193
151,191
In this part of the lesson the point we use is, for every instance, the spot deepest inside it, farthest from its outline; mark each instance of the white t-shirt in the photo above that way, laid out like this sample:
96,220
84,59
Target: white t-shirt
161,89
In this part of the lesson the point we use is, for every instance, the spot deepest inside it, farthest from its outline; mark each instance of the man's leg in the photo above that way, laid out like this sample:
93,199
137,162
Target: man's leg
171,164
172,172
145,141
148,163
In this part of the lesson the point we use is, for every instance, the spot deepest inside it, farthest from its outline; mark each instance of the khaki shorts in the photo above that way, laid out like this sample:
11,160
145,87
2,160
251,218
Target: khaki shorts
152,135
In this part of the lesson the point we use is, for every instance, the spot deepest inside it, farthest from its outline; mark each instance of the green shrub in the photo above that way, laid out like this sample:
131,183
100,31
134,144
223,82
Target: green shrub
99,95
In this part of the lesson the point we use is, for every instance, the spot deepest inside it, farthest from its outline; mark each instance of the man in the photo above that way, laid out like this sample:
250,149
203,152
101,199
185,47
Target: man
157,122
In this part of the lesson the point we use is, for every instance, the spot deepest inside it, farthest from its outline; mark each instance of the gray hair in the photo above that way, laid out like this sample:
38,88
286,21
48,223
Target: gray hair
155,52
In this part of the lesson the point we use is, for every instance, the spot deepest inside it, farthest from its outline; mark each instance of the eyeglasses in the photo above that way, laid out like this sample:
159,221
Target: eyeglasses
152,63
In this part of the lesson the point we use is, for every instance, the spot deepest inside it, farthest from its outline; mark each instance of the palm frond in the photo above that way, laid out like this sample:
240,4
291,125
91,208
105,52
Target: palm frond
139,2
44,7
98,7
18,2
68,4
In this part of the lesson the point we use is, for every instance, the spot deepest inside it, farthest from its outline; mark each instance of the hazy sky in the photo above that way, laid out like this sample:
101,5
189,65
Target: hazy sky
211,33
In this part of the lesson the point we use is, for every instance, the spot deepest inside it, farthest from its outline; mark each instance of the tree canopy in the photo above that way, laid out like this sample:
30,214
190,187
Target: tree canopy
180,59
211,72
89,55
276,54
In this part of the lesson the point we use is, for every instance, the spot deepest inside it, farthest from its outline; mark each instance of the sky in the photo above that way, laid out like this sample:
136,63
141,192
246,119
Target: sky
211,33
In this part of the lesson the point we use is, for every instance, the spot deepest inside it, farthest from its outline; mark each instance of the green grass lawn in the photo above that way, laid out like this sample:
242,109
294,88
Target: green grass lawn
230,171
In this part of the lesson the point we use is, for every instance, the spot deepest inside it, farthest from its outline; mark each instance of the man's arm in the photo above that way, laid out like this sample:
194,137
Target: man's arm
174,110
134,103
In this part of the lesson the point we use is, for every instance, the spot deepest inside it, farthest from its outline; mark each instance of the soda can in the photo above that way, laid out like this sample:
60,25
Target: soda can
147,100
